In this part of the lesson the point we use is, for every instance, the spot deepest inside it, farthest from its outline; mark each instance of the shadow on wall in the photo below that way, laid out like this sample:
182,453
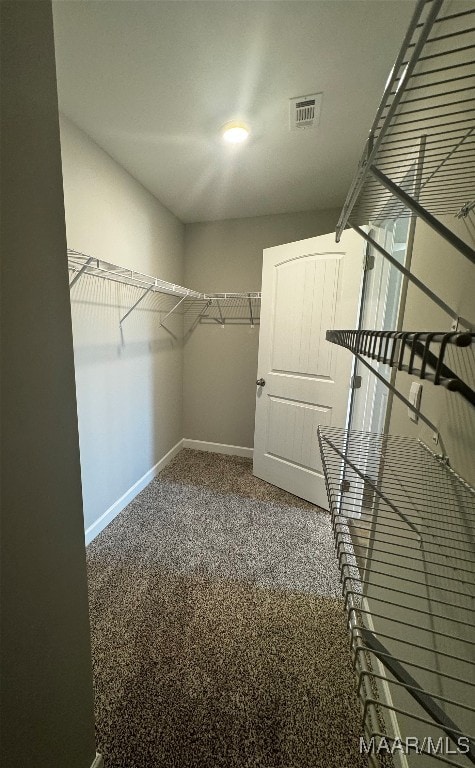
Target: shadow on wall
128,384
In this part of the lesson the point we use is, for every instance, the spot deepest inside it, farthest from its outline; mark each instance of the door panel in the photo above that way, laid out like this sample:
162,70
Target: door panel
298,315
300,420
307,288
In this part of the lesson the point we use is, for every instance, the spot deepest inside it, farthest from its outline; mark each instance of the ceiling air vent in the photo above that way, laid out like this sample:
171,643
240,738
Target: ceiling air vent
305,111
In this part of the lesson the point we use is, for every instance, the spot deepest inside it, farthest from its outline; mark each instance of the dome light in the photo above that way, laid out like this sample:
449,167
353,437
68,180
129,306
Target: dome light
235,133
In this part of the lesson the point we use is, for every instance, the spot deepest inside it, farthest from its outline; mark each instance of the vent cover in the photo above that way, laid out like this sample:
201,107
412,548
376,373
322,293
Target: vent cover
305,111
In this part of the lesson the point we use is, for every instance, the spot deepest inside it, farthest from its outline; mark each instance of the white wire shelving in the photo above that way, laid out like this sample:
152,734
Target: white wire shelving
403,520
225,308
416,353
420,154
406,562
419,161
232,308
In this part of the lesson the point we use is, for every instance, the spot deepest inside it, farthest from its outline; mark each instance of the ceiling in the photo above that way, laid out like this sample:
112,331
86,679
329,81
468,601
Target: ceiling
152,82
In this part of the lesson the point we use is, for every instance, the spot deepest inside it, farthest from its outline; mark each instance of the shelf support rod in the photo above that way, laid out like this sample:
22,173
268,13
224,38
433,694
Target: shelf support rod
250,311
447,158
173,309
373,486
220,312
141,298
420,211
413,688
202,313
406,402
406,272
81,271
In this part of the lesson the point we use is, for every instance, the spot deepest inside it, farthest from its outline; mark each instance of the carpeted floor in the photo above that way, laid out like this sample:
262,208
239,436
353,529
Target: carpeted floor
218,635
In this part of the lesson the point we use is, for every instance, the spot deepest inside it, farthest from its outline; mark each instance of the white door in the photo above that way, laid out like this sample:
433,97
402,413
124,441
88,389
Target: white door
308,287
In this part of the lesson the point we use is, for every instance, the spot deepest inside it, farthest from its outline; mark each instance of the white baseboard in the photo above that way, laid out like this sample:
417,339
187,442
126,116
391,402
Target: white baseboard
98,762
104,520
197,445
231,450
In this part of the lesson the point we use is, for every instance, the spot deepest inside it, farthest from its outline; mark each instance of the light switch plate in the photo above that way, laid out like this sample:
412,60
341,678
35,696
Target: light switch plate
415,394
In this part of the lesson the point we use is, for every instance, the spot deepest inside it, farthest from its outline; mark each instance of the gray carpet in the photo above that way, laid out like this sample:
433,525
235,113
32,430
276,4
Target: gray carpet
218,638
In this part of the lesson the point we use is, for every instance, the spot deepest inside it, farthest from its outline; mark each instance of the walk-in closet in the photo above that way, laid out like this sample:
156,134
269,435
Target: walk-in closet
239,396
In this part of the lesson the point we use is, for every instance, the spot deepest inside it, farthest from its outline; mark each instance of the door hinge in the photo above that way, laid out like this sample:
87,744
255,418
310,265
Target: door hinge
369,494
355,382
368,261
345,486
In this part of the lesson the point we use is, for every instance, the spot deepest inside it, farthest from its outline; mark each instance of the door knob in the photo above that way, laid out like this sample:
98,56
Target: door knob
261,382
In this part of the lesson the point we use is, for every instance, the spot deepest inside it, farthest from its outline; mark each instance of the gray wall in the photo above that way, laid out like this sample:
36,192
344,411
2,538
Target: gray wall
221,363
47,700
452,277
129,385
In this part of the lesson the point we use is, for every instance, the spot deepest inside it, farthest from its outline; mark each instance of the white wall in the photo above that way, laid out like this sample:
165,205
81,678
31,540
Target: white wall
221,363
129,386
47,697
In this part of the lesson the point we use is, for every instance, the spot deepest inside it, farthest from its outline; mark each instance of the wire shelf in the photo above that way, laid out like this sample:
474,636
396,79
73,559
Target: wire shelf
404,528
81,264
223,308
232,309
423,136
420,353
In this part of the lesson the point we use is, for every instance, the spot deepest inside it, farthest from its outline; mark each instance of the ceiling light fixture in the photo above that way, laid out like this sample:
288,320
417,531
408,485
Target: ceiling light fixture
234,132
